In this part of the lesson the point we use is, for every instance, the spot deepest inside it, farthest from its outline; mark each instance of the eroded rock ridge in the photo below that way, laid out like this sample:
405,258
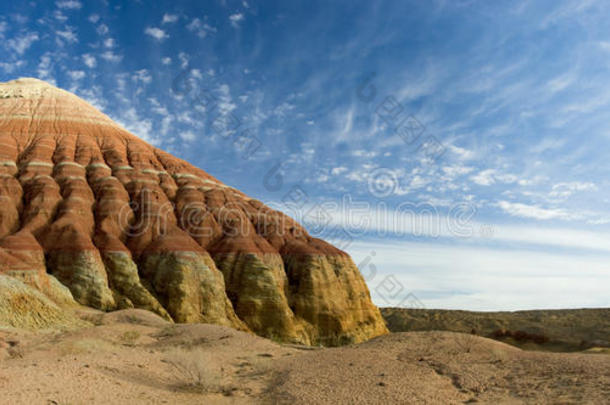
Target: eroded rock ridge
92,214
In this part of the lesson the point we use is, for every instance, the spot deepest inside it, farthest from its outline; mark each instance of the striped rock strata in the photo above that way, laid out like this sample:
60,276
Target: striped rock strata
92,214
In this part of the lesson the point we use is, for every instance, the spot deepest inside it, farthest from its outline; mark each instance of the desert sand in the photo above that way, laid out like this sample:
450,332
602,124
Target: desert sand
134,356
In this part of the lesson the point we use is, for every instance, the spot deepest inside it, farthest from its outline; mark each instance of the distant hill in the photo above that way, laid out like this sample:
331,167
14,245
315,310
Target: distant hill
552,330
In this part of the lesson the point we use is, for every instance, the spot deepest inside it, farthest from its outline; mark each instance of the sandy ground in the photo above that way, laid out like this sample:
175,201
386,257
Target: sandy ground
135,357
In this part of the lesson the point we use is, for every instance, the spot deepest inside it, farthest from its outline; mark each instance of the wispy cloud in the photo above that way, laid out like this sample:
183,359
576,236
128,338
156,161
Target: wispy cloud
141,127
236,19
89,60
76,74
567,189
156,33
69,4
534,211
67,35
484,177
201,28
111,56
22,43
483,278
169,18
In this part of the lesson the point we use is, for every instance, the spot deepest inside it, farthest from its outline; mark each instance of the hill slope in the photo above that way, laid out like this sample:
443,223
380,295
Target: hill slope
123,224
559,330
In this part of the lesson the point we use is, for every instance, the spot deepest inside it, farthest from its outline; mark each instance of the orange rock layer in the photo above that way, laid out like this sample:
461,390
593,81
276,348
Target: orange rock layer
122,224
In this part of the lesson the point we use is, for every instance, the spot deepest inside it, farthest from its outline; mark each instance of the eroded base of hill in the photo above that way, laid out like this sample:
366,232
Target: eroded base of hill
134,356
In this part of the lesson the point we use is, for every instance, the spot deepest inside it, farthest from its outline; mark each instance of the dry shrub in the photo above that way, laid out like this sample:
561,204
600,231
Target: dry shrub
130,337
196,370
15,352
466,341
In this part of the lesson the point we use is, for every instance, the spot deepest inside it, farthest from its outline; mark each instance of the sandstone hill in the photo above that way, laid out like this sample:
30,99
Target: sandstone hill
88,206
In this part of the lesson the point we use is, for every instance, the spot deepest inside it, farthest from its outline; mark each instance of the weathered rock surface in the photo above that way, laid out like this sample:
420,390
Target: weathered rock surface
22,306
123,224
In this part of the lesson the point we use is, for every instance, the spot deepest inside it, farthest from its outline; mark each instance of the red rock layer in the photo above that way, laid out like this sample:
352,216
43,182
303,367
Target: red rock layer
122,223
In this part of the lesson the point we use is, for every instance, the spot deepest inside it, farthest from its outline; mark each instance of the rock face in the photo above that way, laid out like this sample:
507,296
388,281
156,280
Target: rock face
121,224
22,306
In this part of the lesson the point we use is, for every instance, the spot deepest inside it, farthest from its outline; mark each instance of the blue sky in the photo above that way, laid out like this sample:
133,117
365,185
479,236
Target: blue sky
502,173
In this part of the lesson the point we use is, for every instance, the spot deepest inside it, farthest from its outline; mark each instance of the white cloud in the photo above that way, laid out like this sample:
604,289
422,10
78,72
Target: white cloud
94,18
22,43
157,107
89,60
188,136
283,109
361,216
166,123
565,190
59,16
185,117
364,153
67,35
534,211
560,83
102,29
76,74
142,76
506,178
605,45
462,153
111,56
69,4
467,277
184,60
109,43
236,19
10,67
418,182
200,28
346,123
568,9
166,61
533,181
454,171
131,121
94,96
338,170
322,178
44,69
484,178
196,73
156,33
225,104
488,177
169,18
